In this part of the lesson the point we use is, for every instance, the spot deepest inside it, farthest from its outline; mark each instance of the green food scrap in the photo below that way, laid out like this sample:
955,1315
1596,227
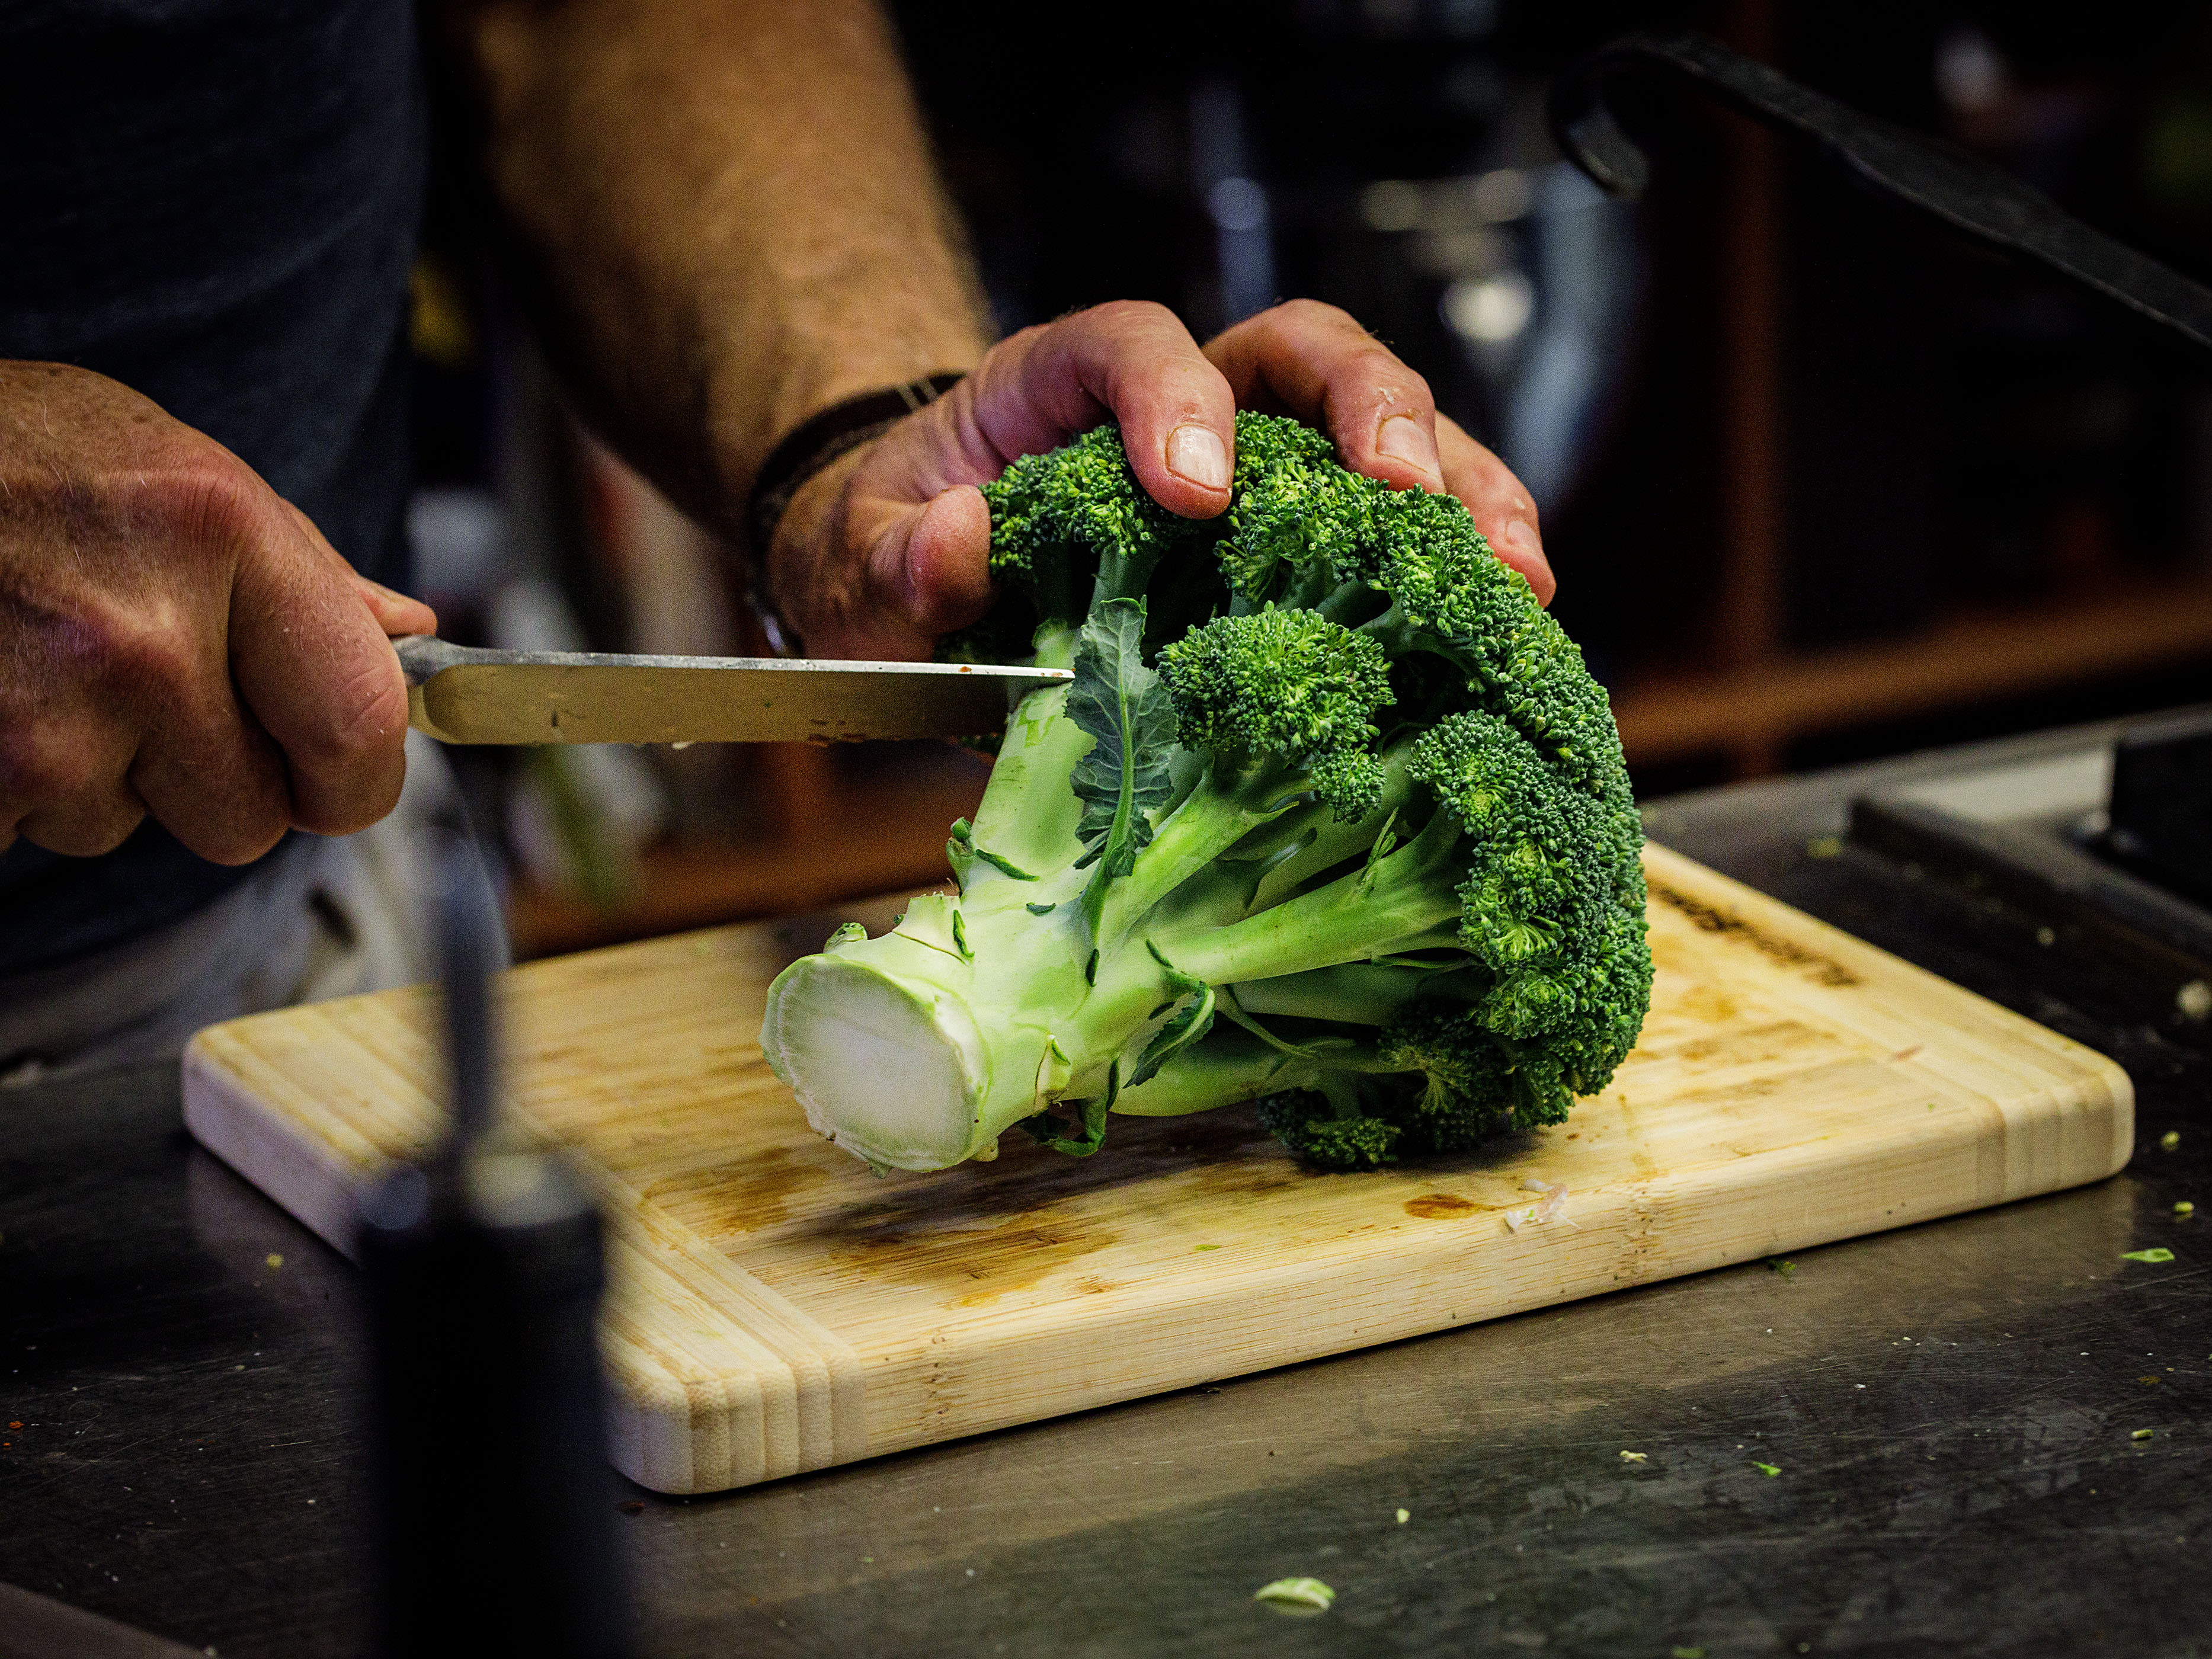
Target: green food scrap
2184,1208
1631,1457
1296,1595
2169,1141
2142,1434
2157,1253
1404,1516
1785,1268
1770,1470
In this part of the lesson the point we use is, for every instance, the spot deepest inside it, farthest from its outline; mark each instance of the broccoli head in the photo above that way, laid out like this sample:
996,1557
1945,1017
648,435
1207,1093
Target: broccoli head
1331,818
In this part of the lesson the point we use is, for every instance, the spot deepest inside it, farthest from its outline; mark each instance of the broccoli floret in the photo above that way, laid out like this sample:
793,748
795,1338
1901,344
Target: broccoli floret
1332,818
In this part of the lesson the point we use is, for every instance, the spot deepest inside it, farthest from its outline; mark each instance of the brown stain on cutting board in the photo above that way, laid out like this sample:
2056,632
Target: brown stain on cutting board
1725,920
776,1308
980,1266
739,1195
1435,1206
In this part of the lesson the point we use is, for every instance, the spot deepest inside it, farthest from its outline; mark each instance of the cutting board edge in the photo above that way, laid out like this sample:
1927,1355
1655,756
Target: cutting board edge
302,1177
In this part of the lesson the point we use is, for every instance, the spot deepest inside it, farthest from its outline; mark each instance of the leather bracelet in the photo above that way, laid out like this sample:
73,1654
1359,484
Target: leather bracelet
821,438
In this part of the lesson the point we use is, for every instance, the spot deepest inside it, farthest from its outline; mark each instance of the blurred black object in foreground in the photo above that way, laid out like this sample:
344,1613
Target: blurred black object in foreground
483,1274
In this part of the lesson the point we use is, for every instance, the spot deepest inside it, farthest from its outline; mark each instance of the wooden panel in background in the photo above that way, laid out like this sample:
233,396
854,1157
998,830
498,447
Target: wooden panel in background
776,1309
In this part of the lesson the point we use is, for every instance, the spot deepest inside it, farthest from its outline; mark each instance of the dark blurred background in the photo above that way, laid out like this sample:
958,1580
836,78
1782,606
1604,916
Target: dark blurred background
1820,481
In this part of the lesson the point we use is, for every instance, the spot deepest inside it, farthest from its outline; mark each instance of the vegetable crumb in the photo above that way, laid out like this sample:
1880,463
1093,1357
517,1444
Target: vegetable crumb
1631,1457
1785,1268
2142,1434
1296,1595
2169,1141
273,1260
1404,1516
1770,1470
2184,1208
2156,1254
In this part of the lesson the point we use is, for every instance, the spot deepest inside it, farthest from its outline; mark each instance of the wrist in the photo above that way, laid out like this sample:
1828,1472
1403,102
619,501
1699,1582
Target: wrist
796,488
787,581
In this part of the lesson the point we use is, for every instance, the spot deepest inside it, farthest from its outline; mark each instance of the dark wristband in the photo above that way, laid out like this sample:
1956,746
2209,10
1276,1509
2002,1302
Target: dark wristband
837,430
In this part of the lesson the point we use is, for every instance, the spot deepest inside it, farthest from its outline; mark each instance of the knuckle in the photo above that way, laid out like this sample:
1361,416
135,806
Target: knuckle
1115,315
23,776
1015,347
83,836
1314,317
241,840
36,771
204,500
1303,310
149,654
1376,362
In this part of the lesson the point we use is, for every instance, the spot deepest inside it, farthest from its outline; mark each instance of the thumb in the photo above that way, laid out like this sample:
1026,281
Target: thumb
924,572
944,569
395,613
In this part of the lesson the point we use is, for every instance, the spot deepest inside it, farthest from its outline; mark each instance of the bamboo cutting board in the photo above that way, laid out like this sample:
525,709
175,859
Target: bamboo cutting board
775,1307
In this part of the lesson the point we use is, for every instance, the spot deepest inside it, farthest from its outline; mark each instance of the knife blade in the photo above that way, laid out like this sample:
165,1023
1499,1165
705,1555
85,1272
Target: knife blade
464,694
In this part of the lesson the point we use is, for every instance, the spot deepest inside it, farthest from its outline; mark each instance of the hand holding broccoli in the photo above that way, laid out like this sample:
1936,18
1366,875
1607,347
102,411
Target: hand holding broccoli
883,552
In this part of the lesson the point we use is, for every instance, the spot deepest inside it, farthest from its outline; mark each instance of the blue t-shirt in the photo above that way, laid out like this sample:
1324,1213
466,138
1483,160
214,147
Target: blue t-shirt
214,202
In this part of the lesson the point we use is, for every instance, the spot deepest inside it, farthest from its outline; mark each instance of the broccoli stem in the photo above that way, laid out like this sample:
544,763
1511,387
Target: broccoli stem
1226,807
1237,1067
1359,992
1406,902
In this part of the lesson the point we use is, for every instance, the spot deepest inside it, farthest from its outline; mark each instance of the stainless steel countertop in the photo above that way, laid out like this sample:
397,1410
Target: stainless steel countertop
1952,1409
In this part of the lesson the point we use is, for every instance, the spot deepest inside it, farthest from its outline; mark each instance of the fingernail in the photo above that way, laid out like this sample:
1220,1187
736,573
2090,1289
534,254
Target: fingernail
1521,536
1197,454
1402,440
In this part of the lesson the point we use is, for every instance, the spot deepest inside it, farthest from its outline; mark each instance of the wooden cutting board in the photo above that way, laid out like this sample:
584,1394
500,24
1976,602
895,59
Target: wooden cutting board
775,1307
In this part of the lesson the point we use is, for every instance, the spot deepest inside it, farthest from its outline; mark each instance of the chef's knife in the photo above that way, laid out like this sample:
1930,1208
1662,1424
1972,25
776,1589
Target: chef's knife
459,694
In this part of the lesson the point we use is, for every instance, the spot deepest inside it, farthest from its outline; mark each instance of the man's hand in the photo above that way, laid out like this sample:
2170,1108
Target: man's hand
883,552
177,639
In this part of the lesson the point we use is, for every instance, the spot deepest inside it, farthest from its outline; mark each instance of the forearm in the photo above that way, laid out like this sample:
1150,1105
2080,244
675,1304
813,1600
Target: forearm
726,210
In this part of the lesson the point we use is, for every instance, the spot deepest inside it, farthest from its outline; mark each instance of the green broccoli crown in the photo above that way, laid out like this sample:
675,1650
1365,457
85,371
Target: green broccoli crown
1288,685
1303,1122
1333,818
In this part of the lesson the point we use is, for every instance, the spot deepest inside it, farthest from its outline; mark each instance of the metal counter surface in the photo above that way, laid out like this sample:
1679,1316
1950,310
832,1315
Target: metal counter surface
1952,1411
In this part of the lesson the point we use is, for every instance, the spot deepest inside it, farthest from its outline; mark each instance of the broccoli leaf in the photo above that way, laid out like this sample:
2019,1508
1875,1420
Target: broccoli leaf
1190,1023
1052,1130
1119,701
